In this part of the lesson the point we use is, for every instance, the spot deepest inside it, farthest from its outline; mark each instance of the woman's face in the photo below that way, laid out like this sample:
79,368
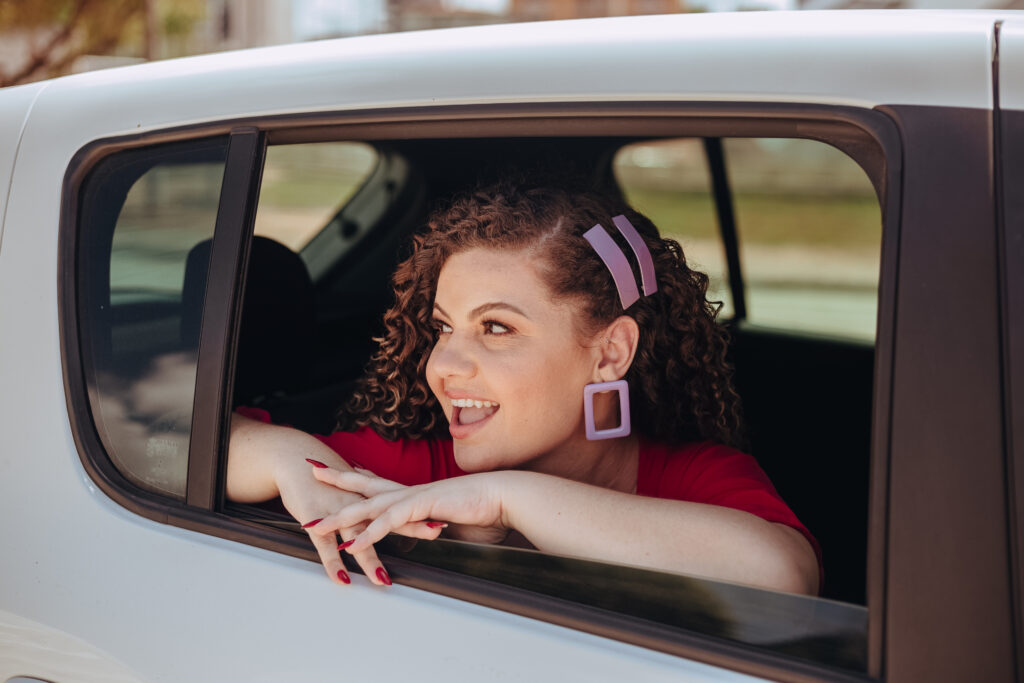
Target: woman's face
508,366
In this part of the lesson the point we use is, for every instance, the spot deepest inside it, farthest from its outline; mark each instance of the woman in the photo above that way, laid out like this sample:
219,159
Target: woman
550,366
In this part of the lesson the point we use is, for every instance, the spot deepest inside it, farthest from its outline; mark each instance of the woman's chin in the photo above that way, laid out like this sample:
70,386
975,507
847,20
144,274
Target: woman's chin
472,459
483,455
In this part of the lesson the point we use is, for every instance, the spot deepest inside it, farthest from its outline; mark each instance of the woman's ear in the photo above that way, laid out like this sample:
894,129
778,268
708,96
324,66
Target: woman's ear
617,346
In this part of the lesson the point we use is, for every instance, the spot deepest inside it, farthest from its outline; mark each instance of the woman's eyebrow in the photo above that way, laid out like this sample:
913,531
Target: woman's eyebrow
484,308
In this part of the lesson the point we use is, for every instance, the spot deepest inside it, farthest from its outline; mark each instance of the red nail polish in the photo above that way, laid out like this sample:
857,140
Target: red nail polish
346,544
312,523
437,525
383,576
343,576
316,463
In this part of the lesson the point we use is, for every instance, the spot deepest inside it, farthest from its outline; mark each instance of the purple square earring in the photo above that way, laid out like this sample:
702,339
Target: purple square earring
593,433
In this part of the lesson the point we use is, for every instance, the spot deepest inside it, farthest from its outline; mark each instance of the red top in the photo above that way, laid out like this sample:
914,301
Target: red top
703,472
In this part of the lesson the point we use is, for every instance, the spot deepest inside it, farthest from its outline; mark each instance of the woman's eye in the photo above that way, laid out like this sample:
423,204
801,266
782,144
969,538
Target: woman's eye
442,328
492,327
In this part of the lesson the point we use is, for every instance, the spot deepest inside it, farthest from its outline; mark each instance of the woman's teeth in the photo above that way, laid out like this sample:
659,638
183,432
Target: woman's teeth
473,403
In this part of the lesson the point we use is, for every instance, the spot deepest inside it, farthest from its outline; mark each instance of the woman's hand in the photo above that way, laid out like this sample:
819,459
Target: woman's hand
471,503
308,500
265,461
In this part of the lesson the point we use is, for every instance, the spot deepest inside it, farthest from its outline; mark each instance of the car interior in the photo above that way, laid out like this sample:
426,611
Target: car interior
304,340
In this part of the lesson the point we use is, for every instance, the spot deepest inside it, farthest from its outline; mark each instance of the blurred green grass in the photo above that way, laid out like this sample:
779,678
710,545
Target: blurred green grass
776,219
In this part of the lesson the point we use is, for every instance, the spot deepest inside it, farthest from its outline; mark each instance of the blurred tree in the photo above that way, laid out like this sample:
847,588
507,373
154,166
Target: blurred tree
58,32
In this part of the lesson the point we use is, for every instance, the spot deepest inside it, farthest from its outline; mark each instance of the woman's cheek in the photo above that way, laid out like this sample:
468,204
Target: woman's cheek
538,392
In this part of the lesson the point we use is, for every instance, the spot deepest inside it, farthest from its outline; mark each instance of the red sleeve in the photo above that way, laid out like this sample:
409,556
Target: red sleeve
406,461
716,475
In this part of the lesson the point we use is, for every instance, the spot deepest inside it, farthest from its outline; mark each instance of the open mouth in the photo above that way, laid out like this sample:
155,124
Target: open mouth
469,414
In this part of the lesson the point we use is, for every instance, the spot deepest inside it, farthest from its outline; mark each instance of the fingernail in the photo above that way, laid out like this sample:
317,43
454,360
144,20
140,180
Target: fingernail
383,576
343,576
346,544
312,523
438,525
316,463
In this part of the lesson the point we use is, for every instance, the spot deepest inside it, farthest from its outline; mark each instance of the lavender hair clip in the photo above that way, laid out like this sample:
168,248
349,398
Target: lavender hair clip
616,261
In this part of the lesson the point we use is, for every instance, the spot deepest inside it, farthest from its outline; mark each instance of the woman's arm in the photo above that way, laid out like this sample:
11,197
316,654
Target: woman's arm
566,517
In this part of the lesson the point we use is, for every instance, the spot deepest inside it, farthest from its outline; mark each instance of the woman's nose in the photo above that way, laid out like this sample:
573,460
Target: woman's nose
452,357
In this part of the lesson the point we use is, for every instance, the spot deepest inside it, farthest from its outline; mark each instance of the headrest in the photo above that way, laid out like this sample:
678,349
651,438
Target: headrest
278,331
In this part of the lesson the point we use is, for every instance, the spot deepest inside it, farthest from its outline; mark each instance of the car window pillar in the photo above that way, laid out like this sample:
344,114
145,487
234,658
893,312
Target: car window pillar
225,284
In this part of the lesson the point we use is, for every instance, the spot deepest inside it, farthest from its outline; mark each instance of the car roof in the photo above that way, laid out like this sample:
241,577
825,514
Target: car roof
861,59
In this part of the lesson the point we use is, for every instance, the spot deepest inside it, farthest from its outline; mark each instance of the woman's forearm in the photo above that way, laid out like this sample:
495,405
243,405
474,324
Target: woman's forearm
566,517
261,456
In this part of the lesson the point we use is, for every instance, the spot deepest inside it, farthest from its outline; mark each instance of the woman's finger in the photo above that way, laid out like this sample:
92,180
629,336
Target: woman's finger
356,482
401,514
427,530
329,551
330,557
372,566
365,510
366,558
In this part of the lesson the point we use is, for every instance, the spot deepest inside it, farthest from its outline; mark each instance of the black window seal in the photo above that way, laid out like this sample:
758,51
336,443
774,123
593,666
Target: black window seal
1008,145
868,136
726,214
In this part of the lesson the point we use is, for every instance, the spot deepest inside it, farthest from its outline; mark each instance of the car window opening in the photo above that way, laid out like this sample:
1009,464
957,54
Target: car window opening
315,296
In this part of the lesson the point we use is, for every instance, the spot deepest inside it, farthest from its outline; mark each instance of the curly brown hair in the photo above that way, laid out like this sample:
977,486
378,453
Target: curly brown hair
681,388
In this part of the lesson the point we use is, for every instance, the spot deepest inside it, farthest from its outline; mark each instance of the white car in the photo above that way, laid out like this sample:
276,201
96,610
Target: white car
850,180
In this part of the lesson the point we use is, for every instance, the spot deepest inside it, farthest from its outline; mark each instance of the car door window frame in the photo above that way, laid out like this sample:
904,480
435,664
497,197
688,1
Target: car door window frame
1009,176
867,136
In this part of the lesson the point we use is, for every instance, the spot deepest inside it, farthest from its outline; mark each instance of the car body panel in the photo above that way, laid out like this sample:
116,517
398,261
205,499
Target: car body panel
15,106
25,645
1011,63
